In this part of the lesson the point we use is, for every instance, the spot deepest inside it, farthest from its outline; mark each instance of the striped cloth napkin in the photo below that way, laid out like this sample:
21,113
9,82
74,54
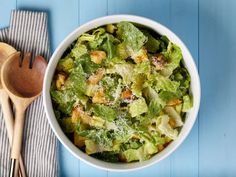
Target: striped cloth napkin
28,33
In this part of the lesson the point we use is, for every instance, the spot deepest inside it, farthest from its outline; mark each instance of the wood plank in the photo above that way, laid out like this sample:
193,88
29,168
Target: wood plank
69,164
184,22
160,11
90,9
63,18
5,12
217,46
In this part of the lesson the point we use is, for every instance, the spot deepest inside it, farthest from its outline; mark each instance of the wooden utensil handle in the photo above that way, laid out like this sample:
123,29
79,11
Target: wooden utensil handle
9,122
18,133
7,113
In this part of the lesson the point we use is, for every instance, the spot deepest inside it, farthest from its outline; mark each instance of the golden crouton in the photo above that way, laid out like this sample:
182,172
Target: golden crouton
94,79
97,56
60,81
159,61
174,102
79,140
99,97
172,123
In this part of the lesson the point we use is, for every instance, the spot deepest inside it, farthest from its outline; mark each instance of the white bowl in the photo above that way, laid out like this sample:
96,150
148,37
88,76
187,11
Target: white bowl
191,115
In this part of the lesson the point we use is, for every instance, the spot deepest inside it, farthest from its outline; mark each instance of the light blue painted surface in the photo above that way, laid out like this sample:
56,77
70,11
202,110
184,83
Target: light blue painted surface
208,28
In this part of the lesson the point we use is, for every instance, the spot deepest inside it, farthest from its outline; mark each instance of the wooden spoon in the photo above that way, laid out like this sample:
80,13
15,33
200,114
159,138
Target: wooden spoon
23,86
5,51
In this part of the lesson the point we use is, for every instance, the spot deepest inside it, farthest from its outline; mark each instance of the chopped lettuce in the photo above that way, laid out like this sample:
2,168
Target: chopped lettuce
88,66
141,154
173,114
101,137
107,156
166,129
78,51
105,112
131,35
137,86
64,99
168,95
121,92
65,64
165,84
112,87
109,46
97,122
124,70
152,44
138,107
123,51
67,125
143,68
174,56
154,108
91,147
187,104
76,80
151,94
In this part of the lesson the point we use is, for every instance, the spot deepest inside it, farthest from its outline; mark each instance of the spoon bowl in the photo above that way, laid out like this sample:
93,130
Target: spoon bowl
5,51
23,81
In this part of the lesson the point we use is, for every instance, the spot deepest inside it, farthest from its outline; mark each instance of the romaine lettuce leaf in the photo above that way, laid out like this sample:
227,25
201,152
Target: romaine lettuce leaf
187,103
95,39
67,125
87,64
124,70
138,107
112,87
91,147
123,51
163,83
173,114
143,153
107,156
86,37
65,64
166,129
152,44
154,108
75,87
137,85
103,138
78,50
109,45
131,35
173,55
105,112
168,95
181,75
97,122
143,68
65,100
76,80
151,94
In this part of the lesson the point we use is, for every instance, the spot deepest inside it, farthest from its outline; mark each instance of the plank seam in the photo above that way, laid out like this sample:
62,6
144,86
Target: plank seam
198,59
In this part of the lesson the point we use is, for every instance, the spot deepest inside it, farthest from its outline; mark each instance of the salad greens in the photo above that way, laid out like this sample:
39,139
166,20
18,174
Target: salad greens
120,92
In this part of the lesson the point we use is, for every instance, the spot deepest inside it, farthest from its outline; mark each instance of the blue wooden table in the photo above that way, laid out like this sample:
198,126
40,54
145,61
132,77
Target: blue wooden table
208,28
